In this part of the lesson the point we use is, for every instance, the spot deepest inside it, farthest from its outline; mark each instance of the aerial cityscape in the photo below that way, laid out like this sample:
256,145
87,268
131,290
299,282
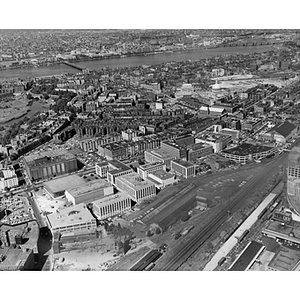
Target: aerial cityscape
149,150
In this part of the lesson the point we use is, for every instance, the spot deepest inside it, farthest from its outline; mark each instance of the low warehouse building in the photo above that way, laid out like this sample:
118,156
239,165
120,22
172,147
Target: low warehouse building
57,187
89,192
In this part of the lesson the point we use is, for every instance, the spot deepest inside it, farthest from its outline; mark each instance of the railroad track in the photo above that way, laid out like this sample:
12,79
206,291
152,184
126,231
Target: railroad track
202,236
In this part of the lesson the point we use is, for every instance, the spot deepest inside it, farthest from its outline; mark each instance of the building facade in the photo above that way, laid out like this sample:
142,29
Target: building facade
137,188
145,170
74,219
111,206
50,164
183,168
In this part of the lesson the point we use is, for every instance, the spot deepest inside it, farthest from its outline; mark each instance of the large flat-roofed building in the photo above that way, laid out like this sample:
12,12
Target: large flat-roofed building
183,168
16,259
174,149
198,150
161,178
248,256
293,178
117,150
137,188
283,231
248,152
57,187
89,191
145,170
185,140
159,155
112,169
48,164
73,219
112,205
8,178
286,259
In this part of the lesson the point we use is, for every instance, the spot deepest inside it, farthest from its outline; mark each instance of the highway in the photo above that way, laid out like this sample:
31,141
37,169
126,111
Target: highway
199,238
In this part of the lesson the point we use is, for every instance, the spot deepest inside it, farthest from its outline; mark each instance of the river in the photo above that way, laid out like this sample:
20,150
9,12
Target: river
132,61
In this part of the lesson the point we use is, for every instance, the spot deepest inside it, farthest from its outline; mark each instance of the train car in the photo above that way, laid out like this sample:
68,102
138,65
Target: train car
221,261
242,237
150,267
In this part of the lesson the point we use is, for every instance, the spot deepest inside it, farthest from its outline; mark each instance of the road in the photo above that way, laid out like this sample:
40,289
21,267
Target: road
235,204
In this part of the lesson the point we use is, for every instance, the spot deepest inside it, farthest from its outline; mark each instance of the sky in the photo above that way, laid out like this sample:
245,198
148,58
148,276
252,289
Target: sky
137,14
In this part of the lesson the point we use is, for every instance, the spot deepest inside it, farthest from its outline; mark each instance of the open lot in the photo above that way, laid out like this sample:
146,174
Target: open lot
15,108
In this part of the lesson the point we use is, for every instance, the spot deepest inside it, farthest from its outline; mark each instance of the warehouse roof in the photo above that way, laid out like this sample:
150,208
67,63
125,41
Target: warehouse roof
64,183
111,199
284,129
88,187
286,259
247,257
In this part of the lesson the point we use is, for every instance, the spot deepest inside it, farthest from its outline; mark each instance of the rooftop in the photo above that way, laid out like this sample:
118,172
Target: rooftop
76,214
283,129
135,181
183,163
40,158
244,261
116,166
64,183
151,165
14,258
89,187
111,199
161,154
286,259
285,230
162,174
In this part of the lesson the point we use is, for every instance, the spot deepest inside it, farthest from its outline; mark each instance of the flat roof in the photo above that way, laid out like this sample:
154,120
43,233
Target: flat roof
248,256
183,163
285,259
88,187
162,174
161,154
246,149
117,167
111,199
13,257
76,214
64,183
62,153
135,181
151,165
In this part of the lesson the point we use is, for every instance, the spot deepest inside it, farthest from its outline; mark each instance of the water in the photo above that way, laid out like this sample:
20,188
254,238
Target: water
132,61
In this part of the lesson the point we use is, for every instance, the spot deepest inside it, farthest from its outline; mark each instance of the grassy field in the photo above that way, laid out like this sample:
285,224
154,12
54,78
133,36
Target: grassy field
14,108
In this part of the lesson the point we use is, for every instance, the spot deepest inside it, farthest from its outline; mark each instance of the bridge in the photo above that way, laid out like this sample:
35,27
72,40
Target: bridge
74,66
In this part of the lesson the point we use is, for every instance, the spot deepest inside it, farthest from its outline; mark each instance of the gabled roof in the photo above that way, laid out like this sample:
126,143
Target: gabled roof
283,129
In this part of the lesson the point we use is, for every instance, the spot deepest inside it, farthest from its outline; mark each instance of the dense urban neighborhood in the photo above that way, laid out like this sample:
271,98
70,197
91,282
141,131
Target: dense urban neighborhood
182,153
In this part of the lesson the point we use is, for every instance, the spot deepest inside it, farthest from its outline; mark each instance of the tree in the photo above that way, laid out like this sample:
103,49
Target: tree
29,96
